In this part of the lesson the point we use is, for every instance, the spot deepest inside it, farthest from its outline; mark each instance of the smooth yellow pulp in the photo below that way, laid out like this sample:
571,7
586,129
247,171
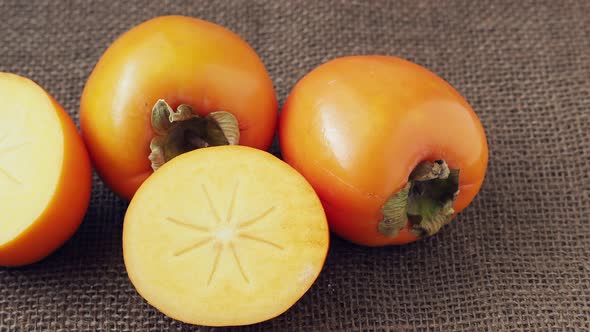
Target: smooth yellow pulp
224,236
31,154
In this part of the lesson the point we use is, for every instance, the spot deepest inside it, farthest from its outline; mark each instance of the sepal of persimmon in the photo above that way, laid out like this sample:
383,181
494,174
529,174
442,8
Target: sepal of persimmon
425,202
181,131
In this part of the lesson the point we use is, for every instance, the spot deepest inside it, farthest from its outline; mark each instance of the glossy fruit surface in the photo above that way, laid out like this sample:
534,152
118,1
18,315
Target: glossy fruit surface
357,127
181,60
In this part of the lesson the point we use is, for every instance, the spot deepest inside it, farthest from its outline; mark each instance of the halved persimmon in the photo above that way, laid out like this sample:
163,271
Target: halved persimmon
45,174
223,236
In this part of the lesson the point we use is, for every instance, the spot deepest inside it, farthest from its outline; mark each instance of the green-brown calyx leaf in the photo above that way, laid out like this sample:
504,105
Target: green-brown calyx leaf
426,201
181,131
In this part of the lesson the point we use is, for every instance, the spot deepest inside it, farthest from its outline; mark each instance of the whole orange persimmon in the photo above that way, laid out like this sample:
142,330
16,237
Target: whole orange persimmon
168,86
393,151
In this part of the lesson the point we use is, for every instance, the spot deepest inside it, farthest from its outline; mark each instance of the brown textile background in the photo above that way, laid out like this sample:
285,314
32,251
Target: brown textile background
517,259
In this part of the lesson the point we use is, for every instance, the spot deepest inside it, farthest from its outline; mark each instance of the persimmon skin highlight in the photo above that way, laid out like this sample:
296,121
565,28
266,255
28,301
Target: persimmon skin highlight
181,60
46,182
357,126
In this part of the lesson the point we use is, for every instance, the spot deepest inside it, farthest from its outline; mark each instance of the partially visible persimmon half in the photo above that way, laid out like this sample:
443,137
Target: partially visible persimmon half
45,173
224,236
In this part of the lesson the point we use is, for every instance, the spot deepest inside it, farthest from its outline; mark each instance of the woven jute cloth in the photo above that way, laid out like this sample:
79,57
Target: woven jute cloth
517,259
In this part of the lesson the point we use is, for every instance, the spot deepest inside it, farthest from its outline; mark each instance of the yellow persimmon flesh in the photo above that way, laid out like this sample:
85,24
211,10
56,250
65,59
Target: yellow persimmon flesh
45,173
224,236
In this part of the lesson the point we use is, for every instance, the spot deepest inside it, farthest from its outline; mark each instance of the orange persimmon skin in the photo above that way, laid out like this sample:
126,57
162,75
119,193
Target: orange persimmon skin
184,61
357,126
67,207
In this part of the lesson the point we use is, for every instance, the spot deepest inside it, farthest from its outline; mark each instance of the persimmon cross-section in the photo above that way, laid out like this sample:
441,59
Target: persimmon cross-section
224,233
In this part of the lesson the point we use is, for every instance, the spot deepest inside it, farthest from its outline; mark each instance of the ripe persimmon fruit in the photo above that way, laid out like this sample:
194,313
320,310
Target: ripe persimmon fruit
170,85
393,151
45,173
222,236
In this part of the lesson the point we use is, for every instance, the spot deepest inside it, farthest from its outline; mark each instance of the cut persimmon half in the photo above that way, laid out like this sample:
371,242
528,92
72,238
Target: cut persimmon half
224,236
45,173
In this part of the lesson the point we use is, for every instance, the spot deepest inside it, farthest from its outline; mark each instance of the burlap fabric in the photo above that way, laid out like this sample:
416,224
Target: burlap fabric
516,260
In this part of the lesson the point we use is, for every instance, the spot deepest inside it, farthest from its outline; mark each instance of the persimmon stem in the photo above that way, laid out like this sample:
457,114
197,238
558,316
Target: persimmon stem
426,201
181,131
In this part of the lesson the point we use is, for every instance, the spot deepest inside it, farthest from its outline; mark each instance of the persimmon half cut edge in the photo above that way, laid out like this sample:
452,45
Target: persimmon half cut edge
224,236
45,173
